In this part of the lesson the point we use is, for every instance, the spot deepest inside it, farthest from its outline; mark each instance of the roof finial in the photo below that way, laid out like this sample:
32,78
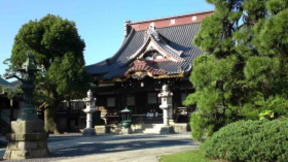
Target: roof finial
152,26
127,28
153,32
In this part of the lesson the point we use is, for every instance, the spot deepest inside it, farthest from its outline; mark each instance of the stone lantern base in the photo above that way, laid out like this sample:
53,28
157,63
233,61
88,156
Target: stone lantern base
89,132
126,131
167,130
27,140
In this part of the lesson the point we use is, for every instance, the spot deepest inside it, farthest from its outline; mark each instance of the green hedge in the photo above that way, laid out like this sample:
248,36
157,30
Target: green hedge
257,141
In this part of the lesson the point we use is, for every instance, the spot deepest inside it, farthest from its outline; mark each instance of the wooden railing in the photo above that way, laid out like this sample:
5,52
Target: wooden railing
136,119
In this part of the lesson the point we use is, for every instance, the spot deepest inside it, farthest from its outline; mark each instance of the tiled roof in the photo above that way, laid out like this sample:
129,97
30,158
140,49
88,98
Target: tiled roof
178,38
4,83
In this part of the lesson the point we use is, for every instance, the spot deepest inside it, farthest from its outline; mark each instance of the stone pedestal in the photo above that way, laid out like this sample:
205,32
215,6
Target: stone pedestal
101,129
27,140
126,131
89,132
166,130
165,114
171,121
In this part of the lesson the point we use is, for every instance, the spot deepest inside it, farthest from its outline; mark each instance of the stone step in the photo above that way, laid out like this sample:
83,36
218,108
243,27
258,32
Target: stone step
152,128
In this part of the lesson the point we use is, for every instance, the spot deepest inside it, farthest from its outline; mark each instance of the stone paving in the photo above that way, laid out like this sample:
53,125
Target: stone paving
114,148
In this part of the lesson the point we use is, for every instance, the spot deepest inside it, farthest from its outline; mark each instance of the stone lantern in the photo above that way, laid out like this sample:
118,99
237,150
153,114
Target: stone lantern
89,110
166,97
126,117
126,120
27,138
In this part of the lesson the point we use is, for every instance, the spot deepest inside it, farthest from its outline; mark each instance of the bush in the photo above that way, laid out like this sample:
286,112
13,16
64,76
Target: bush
257,141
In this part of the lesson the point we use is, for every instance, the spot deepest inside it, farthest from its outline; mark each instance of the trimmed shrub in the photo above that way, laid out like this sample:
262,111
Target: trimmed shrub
257,141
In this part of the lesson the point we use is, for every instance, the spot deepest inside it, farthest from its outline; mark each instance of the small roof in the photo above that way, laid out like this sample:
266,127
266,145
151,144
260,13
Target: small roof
126,110
4,83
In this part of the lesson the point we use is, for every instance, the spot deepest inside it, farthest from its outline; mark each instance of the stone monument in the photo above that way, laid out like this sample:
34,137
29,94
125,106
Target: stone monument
166,106
90,108
27,138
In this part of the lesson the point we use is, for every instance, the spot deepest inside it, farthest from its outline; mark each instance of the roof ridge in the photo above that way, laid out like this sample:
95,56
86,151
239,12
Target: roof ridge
170,17
176,26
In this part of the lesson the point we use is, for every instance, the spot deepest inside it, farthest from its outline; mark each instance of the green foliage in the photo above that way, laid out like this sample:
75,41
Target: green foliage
271,35
245,67
197,125
207,74
276,6
260,72
250,141
267,114
11,92
57,46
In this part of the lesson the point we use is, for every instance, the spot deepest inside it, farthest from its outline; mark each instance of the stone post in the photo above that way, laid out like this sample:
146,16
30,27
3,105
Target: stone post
165,96
90,108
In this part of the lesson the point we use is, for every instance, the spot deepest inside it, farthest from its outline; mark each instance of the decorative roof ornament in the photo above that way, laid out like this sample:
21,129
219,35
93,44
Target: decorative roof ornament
151,31
153,41
127,27
141,69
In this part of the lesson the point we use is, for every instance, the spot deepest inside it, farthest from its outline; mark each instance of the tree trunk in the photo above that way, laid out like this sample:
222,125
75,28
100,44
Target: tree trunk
50,124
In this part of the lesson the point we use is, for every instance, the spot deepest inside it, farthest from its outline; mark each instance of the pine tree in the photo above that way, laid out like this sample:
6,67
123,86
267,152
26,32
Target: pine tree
244,69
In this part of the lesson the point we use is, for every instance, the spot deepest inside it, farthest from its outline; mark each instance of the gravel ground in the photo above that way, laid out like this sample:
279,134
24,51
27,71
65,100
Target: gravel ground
110,148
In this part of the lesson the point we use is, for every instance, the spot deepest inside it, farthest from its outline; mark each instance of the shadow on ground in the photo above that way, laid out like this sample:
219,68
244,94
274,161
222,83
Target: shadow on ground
107,137
108,144
102,147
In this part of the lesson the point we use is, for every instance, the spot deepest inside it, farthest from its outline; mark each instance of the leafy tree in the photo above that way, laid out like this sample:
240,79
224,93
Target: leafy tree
57,46
244,69
11,92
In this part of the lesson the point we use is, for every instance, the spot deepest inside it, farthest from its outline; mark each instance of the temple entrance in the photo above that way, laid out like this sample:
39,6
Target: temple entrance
141,97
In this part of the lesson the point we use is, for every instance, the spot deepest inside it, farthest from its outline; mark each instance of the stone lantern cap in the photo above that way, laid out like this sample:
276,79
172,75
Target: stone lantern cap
165,92
125,110
89,96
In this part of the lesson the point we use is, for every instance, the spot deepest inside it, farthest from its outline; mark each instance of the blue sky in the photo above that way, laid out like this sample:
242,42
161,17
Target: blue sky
99,22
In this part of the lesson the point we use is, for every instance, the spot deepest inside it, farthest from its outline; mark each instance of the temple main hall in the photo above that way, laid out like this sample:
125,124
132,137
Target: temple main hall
153,53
